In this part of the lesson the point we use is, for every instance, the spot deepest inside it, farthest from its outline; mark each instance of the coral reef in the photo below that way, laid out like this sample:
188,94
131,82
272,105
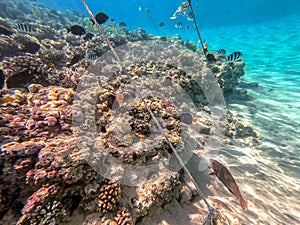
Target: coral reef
123,217
109,196
23,70
228,74
45,173
156,191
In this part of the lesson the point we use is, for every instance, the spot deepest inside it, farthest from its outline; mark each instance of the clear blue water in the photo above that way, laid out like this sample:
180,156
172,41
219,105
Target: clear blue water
209,13
268,34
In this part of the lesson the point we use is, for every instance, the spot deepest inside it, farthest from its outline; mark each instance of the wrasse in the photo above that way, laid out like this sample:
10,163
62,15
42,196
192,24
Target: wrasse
223,174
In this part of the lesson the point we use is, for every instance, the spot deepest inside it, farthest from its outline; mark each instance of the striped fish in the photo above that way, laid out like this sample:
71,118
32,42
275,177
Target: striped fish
221,51
25,28
92,57
233,57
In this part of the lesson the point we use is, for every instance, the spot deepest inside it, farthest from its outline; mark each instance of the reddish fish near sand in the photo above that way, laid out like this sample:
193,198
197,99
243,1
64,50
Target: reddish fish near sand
227,179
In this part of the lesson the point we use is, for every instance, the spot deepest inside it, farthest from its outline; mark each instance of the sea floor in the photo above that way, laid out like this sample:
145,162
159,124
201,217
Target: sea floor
268,172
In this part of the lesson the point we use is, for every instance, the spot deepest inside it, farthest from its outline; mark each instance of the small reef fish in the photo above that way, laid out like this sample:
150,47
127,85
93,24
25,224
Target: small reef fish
186,118
31,47
233,57
161,25
187,28
25,28
190,16
112,103
101,18
88,36
2,79
178,25
92,57
227,179
221,51
75,59
210,57
122,25
112,20
7,99
6,31
119,97
76,30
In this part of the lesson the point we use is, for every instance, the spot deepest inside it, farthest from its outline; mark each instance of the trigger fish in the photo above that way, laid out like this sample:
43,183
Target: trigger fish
223,174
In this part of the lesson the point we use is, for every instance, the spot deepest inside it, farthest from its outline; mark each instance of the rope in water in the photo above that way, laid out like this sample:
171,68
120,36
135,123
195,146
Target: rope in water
197,27
147,107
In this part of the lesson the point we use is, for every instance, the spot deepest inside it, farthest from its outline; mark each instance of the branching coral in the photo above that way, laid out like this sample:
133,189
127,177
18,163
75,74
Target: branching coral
109,196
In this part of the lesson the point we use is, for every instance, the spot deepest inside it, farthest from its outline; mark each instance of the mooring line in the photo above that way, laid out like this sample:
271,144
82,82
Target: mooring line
197,28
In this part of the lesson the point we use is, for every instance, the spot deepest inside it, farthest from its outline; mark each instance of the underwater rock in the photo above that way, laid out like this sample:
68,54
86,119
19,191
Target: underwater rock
16,160
22,70
58,44
50,113
190,45
228,74
27,43
53,57
40,206
240,129
156,191
8,47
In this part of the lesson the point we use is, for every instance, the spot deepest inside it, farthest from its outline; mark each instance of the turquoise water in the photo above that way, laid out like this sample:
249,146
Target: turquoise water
268,34
271,52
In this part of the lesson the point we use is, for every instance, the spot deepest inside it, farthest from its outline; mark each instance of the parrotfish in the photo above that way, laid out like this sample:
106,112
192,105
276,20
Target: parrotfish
227,179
